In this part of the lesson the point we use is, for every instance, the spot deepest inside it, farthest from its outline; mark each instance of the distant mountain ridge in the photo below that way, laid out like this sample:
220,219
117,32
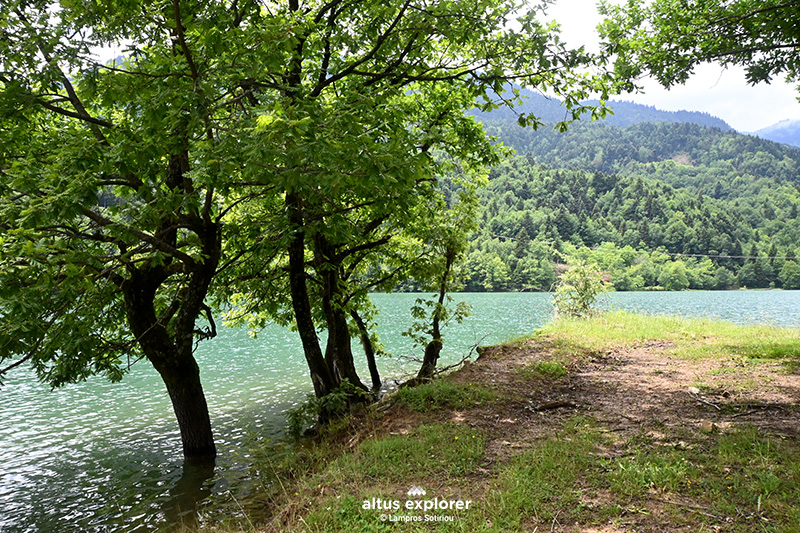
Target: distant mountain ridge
630,113
597,146
626,113
786,131
694,146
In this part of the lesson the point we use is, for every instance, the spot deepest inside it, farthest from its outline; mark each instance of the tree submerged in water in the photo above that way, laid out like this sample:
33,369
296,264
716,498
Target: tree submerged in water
276,152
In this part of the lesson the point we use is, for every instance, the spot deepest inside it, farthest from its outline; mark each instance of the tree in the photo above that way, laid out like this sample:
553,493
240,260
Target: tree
790,275
578,289
674,276
449,242
523,240
236,149
88,285
723,279
367,111
667,39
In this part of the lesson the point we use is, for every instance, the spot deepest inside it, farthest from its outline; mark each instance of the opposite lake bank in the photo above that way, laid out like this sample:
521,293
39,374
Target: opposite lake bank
101,455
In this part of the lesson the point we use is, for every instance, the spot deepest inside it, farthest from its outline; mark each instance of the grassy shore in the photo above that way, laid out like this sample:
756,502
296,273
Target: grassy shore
617,423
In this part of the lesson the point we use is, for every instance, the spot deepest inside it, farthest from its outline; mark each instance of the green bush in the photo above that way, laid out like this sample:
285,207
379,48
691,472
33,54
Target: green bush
578,289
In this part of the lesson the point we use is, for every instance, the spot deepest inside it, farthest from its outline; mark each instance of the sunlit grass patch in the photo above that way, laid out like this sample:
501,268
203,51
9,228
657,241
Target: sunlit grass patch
756,474
543,370
547,480
668,471
434,449
345,514
791,366
618,329
691,338
741,478
385,468
443,394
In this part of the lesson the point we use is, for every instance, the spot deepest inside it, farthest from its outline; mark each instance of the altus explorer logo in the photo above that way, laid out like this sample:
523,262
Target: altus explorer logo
436,504
416,491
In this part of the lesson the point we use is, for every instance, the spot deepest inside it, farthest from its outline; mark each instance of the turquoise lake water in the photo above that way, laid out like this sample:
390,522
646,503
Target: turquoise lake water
107,457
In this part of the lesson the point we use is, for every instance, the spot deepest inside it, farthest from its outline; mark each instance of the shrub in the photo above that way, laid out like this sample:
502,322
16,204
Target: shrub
578,289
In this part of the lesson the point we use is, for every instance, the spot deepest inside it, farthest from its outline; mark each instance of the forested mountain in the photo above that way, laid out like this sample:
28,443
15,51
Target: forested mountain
654,205
785,131
682,154
629,113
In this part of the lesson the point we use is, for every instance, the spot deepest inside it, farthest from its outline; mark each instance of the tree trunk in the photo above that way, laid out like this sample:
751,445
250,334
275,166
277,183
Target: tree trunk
321,376
191,410
181,375
369,350
434,347
172,357
432,351
338,352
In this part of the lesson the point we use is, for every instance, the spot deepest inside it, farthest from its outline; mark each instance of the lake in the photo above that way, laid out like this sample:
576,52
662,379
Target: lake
107,457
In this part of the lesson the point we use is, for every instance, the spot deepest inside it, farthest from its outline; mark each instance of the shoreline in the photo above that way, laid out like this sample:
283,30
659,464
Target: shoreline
618,422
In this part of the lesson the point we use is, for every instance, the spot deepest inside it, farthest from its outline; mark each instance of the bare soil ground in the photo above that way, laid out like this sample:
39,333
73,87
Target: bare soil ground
642,389
627,390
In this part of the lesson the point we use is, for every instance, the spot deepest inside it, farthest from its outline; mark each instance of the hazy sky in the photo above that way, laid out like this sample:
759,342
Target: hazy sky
723,93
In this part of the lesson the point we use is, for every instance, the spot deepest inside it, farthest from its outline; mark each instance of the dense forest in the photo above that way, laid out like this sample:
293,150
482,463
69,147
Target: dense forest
654,205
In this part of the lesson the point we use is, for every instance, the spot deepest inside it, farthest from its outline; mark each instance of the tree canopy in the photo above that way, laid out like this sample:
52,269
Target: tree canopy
263,149
667,39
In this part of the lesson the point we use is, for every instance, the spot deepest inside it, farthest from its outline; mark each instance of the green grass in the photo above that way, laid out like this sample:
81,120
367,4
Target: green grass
346,514
690,337
740,480
441,454
443,394
733,479
538,485
545,481
792,366
667,470
544,370
435,449
742,477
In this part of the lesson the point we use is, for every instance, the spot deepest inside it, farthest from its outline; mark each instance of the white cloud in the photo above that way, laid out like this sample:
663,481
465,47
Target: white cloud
723,93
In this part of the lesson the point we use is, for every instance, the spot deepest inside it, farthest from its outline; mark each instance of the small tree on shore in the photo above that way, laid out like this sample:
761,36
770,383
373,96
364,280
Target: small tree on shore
577,289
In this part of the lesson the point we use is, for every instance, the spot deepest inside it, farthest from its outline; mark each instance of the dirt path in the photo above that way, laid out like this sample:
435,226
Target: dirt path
637,390
643,405
629,390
